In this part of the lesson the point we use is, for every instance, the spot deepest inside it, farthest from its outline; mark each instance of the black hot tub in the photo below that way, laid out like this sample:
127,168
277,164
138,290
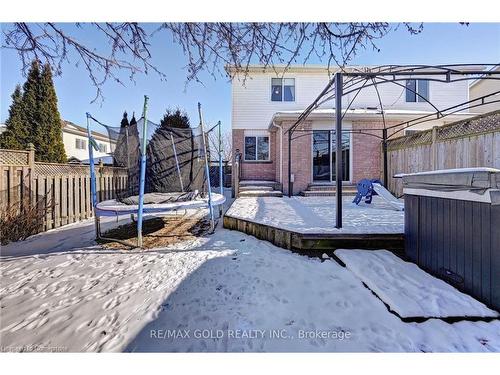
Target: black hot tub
452,228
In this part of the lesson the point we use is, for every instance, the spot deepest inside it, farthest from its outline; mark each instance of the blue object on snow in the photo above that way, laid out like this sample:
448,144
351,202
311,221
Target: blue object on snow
365,189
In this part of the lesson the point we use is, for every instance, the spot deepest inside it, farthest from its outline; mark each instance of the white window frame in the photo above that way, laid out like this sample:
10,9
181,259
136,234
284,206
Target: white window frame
283,90
80,144
256,147
103,148
418,99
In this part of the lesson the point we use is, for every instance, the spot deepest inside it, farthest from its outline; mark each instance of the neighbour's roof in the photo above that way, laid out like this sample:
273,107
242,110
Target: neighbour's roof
492,69
71,127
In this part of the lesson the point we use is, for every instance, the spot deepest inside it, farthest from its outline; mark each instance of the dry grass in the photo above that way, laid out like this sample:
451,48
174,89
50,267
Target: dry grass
22,219
158,232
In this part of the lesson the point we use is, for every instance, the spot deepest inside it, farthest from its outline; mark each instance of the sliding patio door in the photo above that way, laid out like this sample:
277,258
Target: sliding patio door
324,156
321,155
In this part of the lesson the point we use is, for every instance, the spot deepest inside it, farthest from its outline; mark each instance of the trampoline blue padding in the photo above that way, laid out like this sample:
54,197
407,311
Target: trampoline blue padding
116,208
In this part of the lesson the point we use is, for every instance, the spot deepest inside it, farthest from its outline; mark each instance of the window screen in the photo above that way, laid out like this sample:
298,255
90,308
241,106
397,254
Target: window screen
276,89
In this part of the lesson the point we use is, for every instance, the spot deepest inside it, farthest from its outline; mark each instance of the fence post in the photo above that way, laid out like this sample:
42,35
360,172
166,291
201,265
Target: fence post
31,169
102,193
434,153
236,175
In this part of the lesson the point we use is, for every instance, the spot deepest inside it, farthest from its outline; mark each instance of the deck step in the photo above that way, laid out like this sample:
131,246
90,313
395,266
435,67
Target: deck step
328,190
260,193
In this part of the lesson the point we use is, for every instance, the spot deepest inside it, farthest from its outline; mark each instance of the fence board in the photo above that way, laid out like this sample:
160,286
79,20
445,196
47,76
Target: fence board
473,142
81,189
64,200
57,202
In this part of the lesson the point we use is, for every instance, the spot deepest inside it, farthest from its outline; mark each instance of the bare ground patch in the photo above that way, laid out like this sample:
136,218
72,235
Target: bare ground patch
157,232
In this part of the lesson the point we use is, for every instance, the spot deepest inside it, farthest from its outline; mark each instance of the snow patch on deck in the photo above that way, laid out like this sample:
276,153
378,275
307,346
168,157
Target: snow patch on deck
317,215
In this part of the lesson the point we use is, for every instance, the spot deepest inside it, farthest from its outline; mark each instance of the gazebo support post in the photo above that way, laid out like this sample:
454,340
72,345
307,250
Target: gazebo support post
384,156
338,148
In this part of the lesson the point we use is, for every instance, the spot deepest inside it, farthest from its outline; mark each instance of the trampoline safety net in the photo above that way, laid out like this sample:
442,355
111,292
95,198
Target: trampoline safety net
175,161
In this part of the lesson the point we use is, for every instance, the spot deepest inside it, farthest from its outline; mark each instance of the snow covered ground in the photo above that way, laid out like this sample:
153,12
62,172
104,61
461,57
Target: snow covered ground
408,290
317,214
224,292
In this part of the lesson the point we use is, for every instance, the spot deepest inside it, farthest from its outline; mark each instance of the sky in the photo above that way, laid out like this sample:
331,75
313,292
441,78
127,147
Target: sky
439,43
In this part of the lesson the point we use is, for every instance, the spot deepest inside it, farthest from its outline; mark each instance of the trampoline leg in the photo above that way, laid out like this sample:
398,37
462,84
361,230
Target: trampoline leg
212,225
97,221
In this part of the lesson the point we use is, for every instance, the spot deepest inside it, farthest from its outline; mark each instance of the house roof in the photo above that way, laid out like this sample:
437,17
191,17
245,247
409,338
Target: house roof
391,114
281,68
479,80
70,127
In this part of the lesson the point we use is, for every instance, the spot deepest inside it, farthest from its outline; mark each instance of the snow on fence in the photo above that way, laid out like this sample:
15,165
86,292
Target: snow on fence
473,142
64,189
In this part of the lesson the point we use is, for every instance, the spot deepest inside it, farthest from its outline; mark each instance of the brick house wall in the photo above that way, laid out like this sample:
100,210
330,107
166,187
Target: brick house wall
301,157
366,155
256,170
367,150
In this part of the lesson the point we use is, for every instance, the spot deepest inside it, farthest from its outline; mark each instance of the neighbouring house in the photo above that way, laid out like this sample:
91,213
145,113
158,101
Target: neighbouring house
76,143
482,87
267,102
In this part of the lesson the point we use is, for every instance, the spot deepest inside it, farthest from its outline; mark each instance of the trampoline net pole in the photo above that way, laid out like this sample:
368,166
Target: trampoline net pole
221,169
177,162
207,170
92,177
142,179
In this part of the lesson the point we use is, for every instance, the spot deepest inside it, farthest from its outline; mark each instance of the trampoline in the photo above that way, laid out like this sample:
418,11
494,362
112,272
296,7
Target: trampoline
115,208
167,169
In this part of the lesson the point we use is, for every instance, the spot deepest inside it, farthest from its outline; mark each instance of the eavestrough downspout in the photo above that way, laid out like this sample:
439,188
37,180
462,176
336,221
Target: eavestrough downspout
281,150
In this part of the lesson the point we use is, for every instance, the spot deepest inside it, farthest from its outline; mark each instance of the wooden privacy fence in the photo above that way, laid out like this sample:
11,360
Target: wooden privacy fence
474,142
65,188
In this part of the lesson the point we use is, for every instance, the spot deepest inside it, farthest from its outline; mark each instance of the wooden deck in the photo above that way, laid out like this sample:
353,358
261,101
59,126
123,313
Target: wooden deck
316,244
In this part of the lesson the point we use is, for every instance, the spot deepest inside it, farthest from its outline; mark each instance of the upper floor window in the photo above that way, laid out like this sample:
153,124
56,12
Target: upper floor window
256,148
414,86
103,147
80,144
283,89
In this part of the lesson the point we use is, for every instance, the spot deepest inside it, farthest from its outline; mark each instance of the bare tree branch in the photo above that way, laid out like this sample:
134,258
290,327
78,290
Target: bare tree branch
208,47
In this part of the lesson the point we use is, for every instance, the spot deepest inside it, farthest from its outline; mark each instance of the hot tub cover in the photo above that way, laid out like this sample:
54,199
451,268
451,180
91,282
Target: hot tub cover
470,179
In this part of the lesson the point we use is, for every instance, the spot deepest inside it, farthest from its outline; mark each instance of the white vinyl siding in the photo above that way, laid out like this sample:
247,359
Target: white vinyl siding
252,107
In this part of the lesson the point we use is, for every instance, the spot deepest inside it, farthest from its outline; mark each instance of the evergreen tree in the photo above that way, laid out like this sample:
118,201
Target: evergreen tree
124,123
133,128
134,156
16,134
30,103
121,155
48,129
175,119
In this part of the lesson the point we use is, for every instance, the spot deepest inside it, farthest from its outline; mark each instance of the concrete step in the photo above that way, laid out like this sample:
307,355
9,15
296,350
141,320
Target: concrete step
256,187
326,193
329,187
257,183
260,193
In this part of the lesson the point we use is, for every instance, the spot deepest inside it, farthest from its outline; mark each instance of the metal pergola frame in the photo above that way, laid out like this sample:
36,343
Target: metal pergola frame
353,81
